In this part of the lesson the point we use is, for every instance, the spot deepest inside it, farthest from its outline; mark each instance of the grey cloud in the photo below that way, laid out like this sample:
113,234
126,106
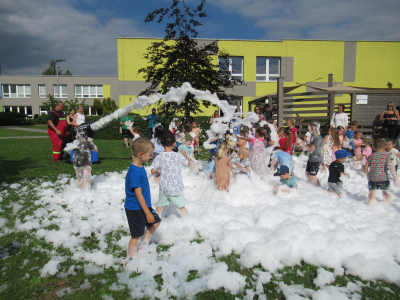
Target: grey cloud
33,32
316,19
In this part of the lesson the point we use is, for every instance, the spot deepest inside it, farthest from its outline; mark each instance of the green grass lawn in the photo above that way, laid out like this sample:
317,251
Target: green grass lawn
44,127
4,132
30,160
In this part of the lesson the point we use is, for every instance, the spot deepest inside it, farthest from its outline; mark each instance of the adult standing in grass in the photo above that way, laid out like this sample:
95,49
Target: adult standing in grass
152,120
57,130
79,117
70,126
125,120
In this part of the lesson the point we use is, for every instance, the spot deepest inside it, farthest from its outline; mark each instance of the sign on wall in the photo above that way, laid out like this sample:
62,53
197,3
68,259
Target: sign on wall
362,99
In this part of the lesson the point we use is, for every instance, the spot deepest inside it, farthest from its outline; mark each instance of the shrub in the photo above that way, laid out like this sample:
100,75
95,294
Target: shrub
40,120
12,118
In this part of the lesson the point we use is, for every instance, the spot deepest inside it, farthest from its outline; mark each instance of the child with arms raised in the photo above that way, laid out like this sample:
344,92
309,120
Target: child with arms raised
377,167
223,166
138,208
336,169
83,159
169,166
286,179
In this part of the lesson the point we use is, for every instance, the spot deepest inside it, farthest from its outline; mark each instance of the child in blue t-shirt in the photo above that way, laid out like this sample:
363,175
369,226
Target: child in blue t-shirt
286,179
282,158
349,136
138,208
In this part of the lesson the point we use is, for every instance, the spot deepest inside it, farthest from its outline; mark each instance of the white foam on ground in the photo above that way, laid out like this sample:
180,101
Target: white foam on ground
274,231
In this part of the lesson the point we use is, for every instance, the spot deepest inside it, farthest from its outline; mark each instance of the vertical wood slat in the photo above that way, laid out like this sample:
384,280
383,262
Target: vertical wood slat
280,101
331,98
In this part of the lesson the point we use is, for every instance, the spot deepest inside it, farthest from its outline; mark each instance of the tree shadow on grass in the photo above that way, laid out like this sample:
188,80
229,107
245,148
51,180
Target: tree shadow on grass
11,169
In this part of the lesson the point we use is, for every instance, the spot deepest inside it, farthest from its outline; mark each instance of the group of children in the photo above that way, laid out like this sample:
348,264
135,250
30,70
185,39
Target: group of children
253,151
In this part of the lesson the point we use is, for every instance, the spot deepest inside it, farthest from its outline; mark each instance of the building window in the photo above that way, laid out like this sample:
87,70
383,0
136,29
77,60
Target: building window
42,110
16,90
267,69
21,109
42,91
88,91
235,66
63,89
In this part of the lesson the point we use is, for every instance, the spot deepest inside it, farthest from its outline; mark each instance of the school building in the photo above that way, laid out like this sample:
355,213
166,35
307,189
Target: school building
259,64
364,64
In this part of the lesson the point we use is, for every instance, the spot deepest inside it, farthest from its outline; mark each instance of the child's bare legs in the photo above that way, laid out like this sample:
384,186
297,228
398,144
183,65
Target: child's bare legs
323,167
386,198
149,232
314,179
133,245
87,171
371,196
79,176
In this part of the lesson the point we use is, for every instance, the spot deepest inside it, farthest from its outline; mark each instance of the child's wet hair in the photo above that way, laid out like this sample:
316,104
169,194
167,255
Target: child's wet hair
245,151
288,132
168,139
379,143
368,141
244,129
158,131
353,123
188,127
356,132
137,130
390,141
292,121
221,149
260,131
271,121
142,144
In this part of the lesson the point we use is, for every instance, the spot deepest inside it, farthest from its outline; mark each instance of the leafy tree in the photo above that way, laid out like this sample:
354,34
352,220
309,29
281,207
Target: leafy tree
98,106
51,70
178,58
109,106
50,104
74,103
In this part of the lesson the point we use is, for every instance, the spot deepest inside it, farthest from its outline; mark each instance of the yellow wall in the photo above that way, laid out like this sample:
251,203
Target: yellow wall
376,63
106,91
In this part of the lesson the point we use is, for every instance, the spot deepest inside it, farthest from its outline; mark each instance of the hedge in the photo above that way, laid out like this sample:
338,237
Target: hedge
111,130
13,118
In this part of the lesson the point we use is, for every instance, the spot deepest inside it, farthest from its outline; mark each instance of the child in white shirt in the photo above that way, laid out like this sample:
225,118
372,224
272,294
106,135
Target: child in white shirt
394,153
169,166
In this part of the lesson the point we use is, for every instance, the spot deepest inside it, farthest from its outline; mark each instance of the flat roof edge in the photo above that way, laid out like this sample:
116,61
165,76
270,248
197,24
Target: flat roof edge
250,40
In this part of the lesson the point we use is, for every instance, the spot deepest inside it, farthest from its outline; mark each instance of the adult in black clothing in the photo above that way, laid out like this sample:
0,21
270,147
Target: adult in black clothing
267,112
389,117
398,122
70,119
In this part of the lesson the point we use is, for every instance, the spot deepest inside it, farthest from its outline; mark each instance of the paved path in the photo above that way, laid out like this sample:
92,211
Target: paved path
24,129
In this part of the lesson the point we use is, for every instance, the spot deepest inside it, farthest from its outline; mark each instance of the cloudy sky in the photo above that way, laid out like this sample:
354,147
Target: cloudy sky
84,32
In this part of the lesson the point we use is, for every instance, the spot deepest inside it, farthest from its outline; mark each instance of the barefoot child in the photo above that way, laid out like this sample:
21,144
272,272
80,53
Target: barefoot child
336,169
169,165
223,166
286,179
197,131
367,150
394,153
377,167
358,142
138,208
314,152
83,159
327,150
290,123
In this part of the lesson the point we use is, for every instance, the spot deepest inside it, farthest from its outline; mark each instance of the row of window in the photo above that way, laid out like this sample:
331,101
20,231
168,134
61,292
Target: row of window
28,110
24,91
267,68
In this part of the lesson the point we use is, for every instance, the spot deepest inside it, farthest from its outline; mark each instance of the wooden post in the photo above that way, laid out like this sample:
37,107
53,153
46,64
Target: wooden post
280,101
353,106
331,98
